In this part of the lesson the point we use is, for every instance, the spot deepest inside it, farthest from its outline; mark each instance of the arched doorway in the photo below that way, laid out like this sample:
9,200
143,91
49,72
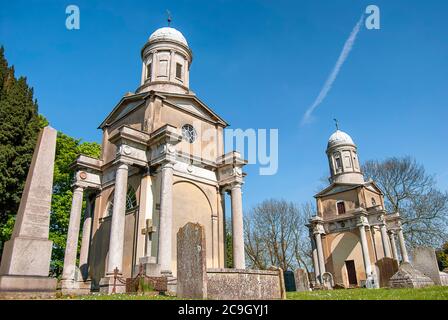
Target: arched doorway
190,204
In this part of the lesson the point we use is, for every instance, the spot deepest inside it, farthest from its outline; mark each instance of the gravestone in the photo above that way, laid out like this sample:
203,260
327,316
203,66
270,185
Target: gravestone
302,281
327,281
409,277
290,284
191,262
386,268
424,259
26,257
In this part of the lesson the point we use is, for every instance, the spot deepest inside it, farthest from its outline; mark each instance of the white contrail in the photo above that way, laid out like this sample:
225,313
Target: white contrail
333,75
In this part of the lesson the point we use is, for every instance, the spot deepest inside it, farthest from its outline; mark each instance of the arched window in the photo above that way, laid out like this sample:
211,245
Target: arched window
131,202
340,207
131,199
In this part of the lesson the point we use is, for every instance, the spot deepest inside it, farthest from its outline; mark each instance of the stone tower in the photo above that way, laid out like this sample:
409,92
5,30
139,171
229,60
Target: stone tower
166,61
343,159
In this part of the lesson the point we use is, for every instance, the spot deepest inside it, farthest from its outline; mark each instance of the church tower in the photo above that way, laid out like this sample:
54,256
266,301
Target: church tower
166,60
343,159
162,165
352,234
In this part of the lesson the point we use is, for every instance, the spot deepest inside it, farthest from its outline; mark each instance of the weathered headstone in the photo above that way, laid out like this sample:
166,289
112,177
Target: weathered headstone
290,284
302,281
26,257
386,268
327,281
191,262
424,259
409,277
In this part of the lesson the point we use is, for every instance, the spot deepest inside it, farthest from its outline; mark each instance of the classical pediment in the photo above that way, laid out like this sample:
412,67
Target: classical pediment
187,103
336,188
342,187
191,104
126,105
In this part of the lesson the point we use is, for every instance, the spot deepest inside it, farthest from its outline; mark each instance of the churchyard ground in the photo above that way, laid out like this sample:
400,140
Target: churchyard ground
428,293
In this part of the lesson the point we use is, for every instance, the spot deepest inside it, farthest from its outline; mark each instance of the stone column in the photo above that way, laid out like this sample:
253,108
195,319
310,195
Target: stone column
166,219
320,254
215,240
365,251
404,252
224,226
85,243
237,227
315,259
116,241
71,247
385,239
393,245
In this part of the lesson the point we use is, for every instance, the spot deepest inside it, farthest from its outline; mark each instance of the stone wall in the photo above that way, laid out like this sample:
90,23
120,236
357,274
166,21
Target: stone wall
242,284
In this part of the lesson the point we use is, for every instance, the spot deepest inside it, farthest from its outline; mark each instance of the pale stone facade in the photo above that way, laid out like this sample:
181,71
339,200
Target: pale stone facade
162,165
352,230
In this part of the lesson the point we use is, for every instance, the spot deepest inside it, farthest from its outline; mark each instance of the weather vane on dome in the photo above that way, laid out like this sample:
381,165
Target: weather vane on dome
169,18
336,122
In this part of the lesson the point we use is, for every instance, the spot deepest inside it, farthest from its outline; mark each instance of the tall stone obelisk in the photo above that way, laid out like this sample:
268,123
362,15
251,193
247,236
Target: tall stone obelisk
26,256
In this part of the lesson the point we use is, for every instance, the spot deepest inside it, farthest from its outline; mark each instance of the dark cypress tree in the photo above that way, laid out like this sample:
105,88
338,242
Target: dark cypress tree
19,126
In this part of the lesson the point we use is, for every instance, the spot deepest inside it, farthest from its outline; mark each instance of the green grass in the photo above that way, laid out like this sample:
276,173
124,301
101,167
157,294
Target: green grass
428,293
119,297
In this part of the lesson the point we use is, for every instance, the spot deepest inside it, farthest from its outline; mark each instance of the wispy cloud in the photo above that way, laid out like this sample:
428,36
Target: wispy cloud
334,73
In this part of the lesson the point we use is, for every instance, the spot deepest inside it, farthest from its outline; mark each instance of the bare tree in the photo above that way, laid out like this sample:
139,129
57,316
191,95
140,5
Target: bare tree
275,234
409,190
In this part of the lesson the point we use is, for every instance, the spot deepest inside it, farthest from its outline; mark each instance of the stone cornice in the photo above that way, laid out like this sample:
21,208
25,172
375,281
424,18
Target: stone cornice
126,133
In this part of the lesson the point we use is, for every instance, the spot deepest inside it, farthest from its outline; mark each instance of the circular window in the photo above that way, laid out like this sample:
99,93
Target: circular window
189,133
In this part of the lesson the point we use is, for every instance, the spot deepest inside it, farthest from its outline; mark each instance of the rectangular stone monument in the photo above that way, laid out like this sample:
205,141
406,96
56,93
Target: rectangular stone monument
386,268
424,259
26,257
191,262
302,281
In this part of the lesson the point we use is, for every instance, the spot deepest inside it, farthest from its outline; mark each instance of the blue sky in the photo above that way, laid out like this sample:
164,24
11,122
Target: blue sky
259,64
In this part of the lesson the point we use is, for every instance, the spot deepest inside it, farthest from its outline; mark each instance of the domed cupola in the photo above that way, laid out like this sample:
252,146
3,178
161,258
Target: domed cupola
166,60
168,34
343,159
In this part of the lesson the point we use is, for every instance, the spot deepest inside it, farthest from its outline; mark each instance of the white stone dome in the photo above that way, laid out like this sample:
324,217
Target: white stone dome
168,33
339,137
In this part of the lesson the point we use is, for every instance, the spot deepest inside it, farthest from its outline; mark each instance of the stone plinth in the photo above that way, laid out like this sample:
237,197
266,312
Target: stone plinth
408,277
107,285
424,259
26,257
191,262
75,287
243,284
302,281
444,278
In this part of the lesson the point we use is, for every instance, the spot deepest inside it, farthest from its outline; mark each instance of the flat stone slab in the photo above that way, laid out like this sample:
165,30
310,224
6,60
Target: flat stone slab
302,281
424,259
27,284
241,284
191,262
